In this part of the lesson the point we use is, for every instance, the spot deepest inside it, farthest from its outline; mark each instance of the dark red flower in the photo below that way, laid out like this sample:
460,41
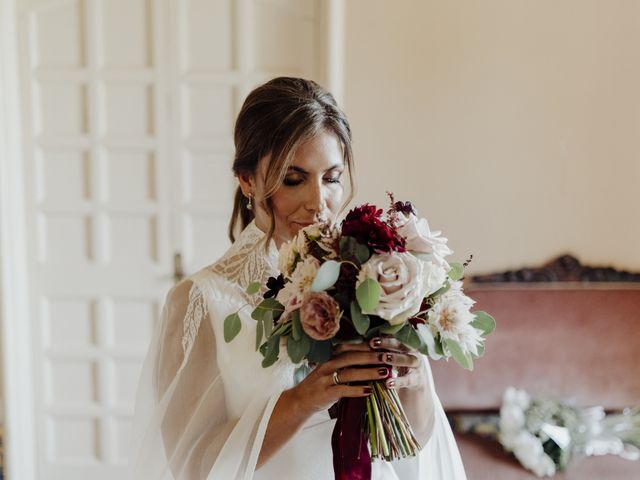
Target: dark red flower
366,225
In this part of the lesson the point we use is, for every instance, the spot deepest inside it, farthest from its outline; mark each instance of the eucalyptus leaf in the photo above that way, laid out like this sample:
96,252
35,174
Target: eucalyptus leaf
368,295
463,358
360,321
326,276
362,253
457,271
297,349
320,351
484,322
232,326
259,332
391,329
444,289
408,336
296,326
438,346
253,288
301,372
347,246
267,305
272,351
267,321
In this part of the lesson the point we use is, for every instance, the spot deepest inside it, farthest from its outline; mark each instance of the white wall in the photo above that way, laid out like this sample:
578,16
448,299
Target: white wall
513,125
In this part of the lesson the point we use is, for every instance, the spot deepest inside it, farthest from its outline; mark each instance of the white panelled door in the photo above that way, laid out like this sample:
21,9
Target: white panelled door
128,114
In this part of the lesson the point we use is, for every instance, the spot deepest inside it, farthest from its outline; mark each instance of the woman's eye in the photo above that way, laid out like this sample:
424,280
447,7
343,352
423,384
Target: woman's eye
334,179
291,182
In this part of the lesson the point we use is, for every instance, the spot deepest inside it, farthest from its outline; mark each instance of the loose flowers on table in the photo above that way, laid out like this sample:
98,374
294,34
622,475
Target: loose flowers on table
379,273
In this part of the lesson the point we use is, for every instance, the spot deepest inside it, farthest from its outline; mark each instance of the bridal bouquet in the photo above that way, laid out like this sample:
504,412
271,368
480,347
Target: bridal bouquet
379,273
545,434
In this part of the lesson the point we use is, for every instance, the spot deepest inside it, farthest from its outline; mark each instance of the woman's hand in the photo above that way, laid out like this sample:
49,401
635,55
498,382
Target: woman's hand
319,390
409,375
407,370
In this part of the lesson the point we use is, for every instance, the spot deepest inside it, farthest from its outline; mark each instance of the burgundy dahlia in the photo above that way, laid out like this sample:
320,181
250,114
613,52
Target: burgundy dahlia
365,224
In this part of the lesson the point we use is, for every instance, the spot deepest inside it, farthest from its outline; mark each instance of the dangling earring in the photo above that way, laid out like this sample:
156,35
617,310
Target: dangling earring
249,203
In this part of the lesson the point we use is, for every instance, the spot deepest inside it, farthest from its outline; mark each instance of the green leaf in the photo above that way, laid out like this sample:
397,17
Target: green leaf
391,329
267,305
360,321
296,326
480,350
272,351
410,337
232,325
463,358
457,271
362,253
351,249
484,322
442,290
326,277
320,351
259,331
368,295
300,373
253,288
438,346
267,321
297,349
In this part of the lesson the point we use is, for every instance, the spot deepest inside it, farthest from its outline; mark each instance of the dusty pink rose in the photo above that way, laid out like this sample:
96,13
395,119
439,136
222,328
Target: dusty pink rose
320,316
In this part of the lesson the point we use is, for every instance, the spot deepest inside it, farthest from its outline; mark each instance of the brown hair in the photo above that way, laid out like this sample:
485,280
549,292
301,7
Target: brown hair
275,119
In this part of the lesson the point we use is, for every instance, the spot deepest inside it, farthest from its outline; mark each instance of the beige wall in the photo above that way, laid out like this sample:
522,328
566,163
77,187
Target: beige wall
513,125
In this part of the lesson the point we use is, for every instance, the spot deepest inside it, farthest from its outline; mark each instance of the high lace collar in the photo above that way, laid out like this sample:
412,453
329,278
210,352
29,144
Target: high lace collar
246,261
254,234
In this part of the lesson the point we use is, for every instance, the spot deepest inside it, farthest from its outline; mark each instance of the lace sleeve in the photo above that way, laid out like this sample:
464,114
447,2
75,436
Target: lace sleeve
196,311
183,428
181,421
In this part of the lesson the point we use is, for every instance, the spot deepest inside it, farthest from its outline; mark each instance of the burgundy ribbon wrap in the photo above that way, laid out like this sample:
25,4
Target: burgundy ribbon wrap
351,457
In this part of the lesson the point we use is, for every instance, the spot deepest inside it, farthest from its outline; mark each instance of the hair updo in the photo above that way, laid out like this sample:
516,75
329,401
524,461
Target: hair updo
275,119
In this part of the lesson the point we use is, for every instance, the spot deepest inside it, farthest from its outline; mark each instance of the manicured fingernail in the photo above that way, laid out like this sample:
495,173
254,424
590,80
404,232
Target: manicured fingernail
376,342
385,357
391,383
367,390
383,372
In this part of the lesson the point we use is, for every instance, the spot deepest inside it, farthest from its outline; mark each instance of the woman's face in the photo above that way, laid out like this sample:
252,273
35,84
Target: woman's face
312,190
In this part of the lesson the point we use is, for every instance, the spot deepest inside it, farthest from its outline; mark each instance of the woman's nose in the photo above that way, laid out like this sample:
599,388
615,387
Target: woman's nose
316,199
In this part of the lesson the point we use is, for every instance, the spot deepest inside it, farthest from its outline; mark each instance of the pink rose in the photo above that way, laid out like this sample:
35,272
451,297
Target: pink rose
320,316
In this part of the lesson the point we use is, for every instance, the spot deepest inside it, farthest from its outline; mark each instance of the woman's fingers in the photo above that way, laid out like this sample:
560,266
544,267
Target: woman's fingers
351,347
352,391
347,375
348,359
388,343
397,359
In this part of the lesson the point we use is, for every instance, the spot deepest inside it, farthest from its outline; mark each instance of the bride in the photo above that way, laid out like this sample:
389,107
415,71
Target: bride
207,409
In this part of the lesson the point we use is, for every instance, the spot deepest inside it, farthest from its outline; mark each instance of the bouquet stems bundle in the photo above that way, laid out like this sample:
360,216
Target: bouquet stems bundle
390,435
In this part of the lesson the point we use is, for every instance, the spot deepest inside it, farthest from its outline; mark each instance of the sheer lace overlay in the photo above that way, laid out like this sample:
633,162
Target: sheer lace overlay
203,405
196,311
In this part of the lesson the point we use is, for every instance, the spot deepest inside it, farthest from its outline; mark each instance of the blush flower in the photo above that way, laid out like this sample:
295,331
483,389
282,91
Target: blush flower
299,284
451,317
401,278
420,239
320,316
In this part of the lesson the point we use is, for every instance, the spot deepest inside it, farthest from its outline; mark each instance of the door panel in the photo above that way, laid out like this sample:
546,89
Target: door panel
129,108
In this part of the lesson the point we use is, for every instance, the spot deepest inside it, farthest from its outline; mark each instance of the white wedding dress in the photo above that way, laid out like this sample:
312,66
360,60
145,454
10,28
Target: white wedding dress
203,405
